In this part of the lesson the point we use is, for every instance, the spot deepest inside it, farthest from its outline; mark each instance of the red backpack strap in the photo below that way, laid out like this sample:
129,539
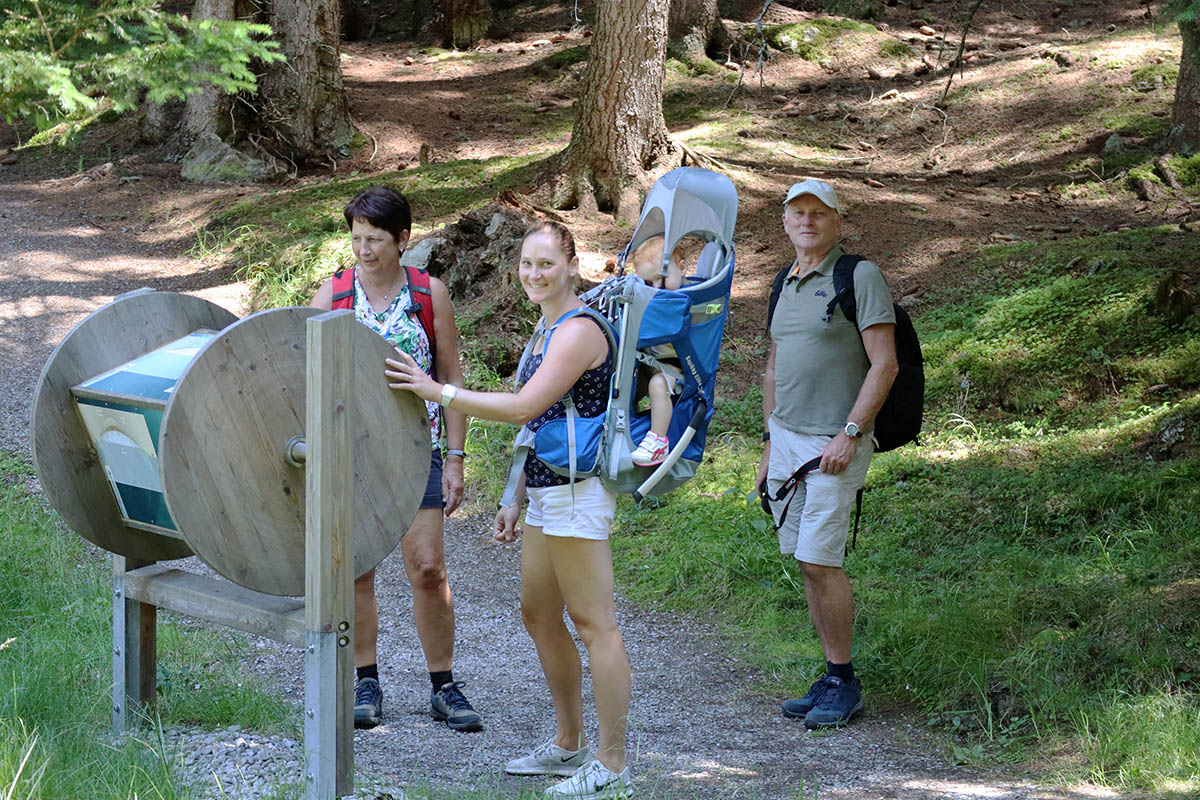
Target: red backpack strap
343,289
422,305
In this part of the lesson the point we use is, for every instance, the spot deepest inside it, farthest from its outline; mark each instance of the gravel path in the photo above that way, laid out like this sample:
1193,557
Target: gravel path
701,724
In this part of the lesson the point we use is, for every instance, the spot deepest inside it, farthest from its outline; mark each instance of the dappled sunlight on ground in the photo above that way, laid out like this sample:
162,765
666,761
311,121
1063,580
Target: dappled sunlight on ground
1003,791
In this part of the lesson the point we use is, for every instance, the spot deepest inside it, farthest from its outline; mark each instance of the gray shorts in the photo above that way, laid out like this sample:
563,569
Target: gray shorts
818,518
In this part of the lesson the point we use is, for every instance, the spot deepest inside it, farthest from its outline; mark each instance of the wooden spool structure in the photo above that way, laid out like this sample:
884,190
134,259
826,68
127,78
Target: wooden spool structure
270,447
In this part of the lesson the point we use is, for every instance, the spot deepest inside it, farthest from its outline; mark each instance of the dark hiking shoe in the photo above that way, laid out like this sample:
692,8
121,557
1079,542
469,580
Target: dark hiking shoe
368,703
799,708
450,706
837,705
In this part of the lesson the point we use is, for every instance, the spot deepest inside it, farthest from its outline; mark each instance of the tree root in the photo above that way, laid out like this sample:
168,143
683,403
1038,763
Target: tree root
697,157
1163,167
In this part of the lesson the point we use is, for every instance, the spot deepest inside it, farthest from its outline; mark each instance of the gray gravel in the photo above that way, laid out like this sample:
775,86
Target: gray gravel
702,724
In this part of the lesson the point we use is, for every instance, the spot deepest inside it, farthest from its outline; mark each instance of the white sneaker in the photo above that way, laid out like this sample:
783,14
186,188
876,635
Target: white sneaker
594,781
652,451
548,759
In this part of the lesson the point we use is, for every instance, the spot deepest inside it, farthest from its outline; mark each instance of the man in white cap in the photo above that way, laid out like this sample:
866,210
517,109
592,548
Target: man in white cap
826,378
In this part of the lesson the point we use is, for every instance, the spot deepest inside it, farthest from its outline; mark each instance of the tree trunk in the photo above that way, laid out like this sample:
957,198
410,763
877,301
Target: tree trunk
303,103
465,21
1184,136
619,137
208,111
300,110
692,24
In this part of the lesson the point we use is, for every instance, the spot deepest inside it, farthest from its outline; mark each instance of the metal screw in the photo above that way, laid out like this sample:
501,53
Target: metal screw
311,777
343,626
116,651
312,648
117,592
343,641
311,714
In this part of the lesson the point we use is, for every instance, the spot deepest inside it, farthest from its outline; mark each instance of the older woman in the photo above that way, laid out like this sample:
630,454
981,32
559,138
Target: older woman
383,300
565,557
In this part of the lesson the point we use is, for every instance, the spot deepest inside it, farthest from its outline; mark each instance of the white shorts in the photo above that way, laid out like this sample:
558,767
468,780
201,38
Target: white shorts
818,518
591,517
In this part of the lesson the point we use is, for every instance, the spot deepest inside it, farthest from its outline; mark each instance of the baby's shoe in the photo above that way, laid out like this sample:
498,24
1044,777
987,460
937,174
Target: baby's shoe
652,450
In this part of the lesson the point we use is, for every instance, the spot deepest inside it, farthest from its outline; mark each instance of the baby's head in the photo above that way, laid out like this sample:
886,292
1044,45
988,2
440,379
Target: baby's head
647,263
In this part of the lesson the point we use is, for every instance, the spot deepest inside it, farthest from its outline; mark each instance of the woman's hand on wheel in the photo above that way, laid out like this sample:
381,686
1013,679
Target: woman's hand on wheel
504,527
404,373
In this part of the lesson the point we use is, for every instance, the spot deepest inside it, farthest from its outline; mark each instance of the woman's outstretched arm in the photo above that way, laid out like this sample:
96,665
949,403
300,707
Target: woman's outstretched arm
577,346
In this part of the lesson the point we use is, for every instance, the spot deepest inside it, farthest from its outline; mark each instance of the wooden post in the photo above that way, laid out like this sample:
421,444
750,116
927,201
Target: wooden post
135,658
329,559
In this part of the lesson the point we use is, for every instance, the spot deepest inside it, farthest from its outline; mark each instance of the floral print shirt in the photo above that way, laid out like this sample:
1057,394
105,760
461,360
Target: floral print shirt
404,332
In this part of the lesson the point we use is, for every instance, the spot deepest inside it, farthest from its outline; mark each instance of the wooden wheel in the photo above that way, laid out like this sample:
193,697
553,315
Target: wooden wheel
230,489
67,465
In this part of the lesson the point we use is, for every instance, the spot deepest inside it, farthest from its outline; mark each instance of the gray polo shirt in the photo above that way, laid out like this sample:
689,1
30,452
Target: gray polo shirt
820,366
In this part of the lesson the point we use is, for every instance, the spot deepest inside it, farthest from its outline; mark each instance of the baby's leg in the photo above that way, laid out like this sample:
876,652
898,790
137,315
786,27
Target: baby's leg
661,406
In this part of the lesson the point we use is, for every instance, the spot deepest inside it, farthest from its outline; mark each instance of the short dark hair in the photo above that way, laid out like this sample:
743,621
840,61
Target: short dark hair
382,207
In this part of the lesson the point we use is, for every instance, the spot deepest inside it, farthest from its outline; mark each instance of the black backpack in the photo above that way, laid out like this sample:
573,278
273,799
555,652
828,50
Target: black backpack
899,420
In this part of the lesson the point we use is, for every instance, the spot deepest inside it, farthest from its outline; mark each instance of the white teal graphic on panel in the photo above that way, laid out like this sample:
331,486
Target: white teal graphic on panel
122,410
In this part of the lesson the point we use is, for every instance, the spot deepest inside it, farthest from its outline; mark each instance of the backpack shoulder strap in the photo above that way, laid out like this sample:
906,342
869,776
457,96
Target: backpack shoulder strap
584,311
422,300
776,290
343,289
421,297
843,288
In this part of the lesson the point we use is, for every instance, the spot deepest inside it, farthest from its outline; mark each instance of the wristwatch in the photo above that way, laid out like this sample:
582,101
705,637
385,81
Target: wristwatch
852,430
449,391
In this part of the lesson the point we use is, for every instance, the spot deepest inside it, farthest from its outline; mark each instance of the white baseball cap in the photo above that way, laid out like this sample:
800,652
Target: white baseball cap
818,189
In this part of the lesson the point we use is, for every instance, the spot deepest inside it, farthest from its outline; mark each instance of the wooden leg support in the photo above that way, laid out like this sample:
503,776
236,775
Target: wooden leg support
329,560
135,659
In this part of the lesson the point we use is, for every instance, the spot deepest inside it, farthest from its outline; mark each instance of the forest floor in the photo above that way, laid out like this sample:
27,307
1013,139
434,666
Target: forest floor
1016,153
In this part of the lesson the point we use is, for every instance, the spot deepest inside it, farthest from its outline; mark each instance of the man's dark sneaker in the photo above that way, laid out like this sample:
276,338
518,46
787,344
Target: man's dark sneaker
451,707
837,705
368,703
799,708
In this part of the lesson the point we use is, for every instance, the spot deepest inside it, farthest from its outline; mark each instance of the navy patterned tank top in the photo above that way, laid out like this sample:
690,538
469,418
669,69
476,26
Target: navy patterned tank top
590,395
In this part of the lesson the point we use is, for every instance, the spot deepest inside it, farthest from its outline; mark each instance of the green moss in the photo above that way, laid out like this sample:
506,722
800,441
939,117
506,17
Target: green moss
1151,73
815,38
895,48
1187,170
566,57
1133,120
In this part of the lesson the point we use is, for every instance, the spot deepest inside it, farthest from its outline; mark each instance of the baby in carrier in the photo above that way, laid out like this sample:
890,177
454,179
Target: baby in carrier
656,384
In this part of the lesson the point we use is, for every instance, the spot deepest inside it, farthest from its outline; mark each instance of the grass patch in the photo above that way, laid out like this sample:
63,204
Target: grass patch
288,242
56,670
1066,342
1019,585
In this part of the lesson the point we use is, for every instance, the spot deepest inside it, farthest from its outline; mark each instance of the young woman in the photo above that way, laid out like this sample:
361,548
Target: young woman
380,223
565,556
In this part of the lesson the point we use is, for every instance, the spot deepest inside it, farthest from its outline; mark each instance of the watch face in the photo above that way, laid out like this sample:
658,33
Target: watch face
852,429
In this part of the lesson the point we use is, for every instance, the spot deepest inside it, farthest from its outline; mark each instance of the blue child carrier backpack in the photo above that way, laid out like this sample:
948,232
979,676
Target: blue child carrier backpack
687,201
